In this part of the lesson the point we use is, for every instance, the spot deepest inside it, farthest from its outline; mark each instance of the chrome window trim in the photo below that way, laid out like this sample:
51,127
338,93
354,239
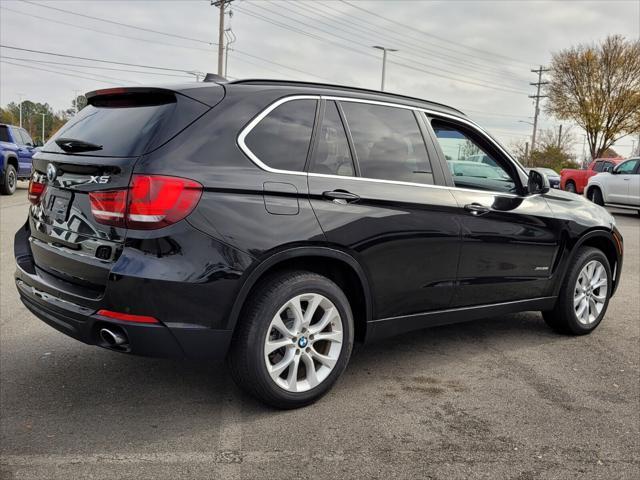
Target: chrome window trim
254,158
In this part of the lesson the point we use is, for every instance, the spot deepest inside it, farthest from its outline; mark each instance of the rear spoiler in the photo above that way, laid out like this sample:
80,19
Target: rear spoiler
130,96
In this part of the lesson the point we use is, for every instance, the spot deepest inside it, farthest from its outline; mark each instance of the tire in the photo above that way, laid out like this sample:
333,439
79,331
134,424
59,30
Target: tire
596,196
564,317
249,361
570,187
10,180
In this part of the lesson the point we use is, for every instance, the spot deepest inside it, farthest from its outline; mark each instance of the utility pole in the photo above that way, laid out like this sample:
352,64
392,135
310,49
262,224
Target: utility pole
526,154
75,100
43,115
221,4
559,136
20,95
537,98
384,62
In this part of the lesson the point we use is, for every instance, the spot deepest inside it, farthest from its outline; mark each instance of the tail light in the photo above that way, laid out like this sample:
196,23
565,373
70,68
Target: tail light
150,202
36,188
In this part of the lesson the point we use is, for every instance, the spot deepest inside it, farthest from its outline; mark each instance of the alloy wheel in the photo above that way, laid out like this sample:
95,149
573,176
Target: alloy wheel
590,293
303,342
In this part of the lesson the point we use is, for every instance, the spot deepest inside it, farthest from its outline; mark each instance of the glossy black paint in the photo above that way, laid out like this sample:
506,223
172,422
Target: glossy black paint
418,253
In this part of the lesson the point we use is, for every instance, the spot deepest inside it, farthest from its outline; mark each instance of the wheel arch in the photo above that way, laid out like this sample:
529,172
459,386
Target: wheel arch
337,265
10,159
604,241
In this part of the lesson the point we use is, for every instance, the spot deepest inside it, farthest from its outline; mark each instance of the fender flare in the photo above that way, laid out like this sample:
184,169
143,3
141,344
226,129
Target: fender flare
298,252
6,156
595,233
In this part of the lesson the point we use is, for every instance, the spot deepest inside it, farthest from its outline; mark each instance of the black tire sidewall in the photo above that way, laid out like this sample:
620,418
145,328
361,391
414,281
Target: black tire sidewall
597,197
570,187
567,294
299,284
6,186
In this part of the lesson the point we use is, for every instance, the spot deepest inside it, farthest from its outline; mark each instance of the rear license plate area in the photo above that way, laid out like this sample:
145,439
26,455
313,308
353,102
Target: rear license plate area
57,204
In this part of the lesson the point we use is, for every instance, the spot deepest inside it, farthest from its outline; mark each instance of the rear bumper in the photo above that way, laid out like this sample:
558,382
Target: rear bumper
153,340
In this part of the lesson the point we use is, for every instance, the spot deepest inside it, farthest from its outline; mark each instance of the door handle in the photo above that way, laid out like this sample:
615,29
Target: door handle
476,209
341,196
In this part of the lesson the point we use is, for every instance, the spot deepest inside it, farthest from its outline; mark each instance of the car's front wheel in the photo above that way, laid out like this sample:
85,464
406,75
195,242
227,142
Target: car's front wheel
570,187
294,339
584,297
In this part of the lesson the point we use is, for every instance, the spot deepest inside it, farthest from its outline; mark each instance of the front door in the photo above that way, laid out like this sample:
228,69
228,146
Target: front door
372,189
508,244
620,183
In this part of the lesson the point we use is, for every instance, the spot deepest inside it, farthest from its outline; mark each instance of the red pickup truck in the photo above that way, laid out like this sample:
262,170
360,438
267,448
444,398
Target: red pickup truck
574,180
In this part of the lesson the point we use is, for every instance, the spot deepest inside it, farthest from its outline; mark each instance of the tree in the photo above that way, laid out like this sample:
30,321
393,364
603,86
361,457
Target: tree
598,87
552,151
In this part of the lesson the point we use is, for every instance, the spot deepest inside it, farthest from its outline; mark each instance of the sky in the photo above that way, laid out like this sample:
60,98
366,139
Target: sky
474,55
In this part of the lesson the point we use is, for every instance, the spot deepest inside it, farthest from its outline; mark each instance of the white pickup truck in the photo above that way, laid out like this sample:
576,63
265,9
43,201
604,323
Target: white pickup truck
619,188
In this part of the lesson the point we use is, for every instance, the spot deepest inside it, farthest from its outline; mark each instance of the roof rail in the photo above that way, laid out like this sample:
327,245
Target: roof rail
341,87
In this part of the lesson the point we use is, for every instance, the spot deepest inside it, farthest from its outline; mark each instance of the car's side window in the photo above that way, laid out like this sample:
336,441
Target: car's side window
332,155
627,167
607,167
17,138
598,167
471,165
281,139
388,143
4,134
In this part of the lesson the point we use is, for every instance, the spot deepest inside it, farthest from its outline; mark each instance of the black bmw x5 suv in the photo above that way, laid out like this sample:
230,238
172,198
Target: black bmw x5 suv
275,223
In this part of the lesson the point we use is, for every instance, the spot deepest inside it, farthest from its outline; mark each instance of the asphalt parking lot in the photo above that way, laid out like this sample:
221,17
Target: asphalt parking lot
498,398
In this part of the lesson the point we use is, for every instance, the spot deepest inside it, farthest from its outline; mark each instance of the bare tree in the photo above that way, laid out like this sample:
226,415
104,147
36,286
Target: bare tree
598,87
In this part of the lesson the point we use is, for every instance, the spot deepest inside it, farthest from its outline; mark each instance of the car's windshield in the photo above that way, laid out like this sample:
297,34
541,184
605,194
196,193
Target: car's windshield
549,172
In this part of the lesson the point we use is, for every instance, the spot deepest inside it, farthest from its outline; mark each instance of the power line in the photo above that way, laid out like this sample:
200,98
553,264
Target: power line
59,73
94,74
428,72
121,23
94,30
93,59
95,67
410,47
404,25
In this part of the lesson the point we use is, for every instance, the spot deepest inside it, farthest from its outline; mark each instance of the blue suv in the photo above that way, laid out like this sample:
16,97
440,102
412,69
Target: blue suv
16,150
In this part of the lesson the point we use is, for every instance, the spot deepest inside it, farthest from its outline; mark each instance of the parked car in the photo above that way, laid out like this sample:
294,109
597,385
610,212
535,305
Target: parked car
619,188
574,180
276,223
16,150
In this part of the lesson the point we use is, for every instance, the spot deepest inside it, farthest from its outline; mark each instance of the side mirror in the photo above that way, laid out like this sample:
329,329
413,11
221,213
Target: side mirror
538,182
37,144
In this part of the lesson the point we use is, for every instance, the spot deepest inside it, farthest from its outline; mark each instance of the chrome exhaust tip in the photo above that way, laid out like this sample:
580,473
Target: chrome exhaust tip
113,339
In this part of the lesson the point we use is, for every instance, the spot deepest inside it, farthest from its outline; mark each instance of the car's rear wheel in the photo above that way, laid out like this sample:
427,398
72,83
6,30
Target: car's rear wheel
595,195
10,180
570,187
293,341
584,297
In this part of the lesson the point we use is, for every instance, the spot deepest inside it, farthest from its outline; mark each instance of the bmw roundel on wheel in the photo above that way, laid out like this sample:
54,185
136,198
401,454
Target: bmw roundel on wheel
277,223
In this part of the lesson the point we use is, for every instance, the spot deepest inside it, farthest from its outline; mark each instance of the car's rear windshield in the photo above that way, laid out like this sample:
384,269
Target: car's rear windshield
126,124
120,131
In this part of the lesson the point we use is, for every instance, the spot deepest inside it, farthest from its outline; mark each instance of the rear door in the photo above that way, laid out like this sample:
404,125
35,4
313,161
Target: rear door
508,243
371,186
96,151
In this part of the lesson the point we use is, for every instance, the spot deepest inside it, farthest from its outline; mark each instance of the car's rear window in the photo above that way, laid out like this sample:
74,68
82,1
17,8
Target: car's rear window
4,134
122,132
128,125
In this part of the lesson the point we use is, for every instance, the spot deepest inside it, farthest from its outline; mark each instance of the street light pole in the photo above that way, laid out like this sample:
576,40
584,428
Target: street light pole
384,62
20,111
43,115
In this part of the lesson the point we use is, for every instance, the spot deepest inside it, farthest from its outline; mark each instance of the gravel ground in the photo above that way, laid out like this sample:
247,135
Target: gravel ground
500,398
